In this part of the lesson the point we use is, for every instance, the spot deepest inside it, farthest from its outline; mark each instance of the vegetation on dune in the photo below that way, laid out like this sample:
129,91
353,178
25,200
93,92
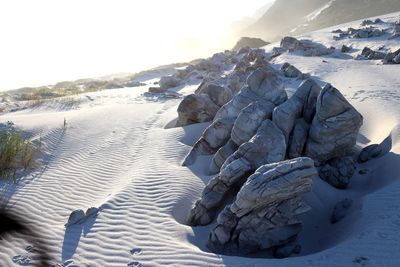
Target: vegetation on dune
16,153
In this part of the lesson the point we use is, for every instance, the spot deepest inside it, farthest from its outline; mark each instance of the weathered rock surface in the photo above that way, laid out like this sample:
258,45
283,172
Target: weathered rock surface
215,136
263,87
369,152
298,139
291,71
218,94
264,215
167,82
341,210
338,171
334,128
245,126
392,57
266,146
301,104
196,108
220,157
345,49
370,54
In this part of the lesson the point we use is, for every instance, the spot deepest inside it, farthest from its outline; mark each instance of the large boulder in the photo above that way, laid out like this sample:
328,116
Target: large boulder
264,215
291,71
167,82
334,128
220,95
267,146
195,109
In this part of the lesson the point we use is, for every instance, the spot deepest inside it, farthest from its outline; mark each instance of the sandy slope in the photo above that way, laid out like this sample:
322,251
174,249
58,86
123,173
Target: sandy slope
116,154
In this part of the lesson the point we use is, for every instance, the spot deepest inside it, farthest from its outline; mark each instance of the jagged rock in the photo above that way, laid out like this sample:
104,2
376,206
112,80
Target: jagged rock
301,104
264,215
341,210
267,146
368,53
246,125
298,138
392,57
215,136
334,128
218,94
249,42
307,47
369,152
291,71
196,108
222,154
345,49
249,119
167,82
366,32
76,217
338,172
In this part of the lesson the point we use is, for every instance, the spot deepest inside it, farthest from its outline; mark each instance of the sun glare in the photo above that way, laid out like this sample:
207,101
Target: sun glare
47,41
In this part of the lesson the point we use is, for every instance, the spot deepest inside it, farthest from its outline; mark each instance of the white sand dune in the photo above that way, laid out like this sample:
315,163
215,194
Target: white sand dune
117,155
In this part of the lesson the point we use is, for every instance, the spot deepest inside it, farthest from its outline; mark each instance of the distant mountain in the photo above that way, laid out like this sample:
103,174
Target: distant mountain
289,17
282,17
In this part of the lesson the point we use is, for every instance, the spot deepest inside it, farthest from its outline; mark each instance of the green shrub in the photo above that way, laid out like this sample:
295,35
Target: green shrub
16,153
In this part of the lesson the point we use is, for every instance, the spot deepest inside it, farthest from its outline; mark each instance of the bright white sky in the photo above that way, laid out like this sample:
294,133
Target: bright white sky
45,41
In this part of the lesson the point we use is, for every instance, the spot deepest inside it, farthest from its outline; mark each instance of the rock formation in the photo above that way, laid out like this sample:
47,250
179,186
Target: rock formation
196,108
264,215
267,146
263,86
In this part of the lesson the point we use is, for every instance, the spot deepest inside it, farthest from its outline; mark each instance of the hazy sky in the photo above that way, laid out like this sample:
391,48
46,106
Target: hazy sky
45,41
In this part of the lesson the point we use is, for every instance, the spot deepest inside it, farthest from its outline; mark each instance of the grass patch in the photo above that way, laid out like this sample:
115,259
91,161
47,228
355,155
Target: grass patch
16,153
